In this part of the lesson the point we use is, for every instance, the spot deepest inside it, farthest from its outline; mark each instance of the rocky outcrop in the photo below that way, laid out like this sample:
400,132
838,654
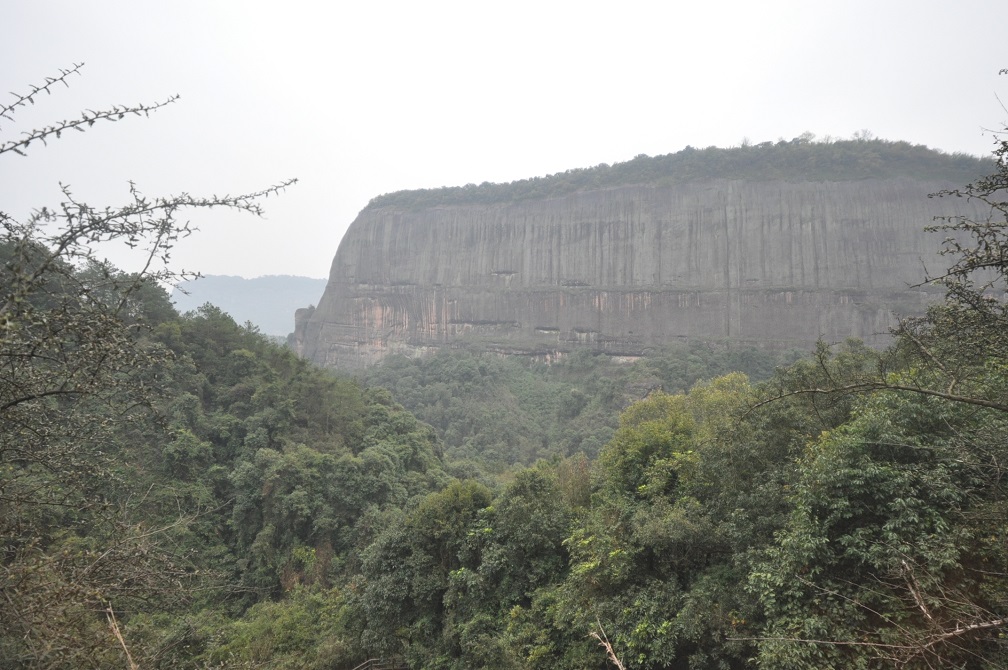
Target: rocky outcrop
624,269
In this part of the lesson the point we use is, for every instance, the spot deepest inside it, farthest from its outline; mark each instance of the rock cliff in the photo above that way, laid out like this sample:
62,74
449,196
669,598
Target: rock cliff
624,268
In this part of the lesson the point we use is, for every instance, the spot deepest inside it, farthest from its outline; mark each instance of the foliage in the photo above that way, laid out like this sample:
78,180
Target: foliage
656,559
893,554
76,384
225,504
799,159
888,557
406,572
500,411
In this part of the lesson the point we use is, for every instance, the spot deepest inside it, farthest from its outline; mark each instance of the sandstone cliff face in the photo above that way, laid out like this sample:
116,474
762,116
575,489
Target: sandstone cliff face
625,269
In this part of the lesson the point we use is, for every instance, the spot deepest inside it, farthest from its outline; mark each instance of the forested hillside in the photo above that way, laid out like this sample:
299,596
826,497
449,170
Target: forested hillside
256,512
178,492
499,411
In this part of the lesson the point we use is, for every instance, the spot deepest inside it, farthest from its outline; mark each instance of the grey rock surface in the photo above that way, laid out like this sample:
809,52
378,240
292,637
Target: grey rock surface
628,268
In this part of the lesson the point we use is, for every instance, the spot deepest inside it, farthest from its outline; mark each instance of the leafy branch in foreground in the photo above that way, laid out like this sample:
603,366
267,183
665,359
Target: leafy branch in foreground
884,375
894,554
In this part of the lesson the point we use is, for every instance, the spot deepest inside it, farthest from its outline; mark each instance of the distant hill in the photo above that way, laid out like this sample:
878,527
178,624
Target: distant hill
268,302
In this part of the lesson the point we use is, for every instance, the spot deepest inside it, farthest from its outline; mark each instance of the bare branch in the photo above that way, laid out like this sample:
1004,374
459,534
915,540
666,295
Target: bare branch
914,587
882,385
114,625
20,100
603,641
963,630
88,119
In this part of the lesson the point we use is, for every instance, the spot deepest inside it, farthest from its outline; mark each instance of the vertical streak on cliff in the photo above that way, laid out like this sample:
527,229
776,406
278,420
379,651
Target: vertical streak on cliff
634,225
659,254
789,240
728,275
555,243
815,244
742,254
802,244
764,222
832,222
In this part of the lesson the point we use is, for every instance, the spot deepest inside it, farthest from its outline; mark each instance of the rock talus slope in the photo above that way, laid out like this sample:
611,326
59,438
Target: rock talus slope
624,269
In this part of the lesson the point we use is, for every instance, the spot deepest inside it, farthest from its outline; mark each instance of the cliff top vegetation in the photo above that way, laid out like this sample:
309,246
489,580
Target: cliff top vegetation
801,159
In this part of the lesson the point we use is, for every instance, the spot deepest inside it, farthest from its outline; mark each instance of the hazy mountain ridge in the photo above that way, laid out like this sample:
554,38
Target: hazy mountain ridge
268,301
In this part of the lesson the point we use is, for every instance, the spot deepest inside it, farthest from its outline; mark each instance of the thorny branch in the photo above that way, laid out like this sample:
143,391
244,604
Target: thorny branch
87,119
6,111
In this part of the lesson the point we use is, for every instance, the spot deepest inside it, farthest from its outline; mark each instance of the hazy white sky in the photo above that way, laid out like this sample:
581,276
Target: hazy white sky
358,99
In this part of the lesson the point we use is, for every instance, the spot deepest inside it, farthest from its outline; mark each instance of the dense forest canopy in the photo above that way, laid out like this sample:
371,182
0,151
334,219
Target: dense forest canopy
799,159
176,491
501,411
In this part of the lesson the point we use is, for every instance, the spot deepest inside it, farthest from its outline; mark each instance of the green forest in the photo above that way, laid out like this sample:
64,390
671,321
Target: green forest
178,491
799,159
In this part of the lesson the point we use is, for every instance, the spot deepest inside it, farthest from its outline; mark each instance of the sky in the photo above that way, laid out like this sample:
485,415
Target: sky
364,98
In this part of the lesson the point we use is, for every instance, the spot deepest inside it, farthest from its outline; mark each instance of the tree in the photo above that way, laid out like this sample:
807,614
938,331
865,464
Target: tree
407,572
657,560
970,328
77,373
895,550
